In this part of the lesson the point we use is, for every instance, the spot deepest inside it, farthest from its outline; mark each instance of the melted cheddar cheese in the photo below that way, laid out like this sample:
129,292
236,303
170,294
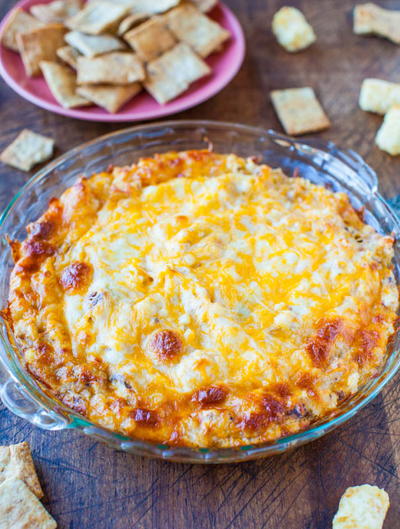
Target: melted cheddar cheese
201,299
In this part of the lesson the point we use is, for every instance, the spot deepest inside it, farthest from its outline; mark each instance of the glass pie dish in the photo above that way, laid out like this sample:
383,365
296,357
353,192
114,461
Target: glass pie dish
320,162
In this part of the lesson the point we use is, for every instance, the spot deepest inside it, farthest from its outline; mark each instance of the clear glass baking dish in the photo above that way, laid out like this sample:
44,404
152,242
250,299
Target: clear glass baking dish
318,161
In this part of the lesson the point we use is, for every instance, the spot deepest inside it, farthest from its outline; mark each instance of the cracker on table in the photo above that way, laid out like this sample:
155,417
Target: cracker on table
27,150
204,5
388,136
20,509
195,29
69,55
150,39
56,11
40,44
98,17
362,507
17,22
61,81
112,98
16,462
299,110
292,30
112,68
130,22
92,45
172,73
377,95
371,19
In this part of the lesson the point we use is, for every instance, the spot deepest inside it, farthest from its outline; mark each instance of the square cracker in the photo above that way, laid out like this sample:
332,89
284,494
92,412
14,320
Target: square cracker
56,11
130,22
204,5
149,7
388,136
40,45
173,72
112,98
113,68
377,95
196,29
69,55
150,39
27,150
371,19
61,81
98,17
299,111
16,462
18,22
20,509
362,507
92,45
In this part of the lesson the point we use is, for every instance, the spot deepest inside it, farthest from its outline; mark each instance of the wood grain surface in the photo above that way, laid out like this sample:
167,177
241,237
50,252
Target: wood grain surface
90,486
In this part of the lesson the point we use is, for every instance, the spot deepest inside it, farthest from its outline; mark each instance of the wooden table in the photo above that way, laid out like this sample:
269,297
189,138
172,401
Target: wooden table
90,486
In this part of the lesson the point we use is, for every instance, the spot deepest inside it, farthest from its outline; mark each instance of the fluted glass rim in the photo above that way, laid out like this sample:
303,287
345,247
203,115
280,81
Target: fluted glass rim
65,418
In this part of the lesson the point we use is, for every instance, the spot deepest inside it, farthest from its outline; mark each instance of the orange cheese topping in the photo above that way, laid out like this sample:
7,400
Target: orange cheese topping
201,299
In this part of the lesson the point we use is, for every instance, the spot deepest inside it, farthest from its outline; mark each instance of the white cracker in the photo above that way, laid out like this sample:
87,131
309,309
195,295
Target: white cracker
149,7
61,81
172,73
40,44
371,19
16,462
388,136
204,5
131,21
150,39
195,29
69,55
92,45
97,17
362,507
292,30
112,98
56,11
299,110
27,150
20,509
378,96
17,22
112,68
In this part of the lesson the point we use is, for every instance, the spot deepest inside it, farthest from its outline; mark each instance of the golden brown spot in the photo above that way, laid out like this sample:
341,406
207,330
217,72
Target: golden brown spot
42,230
15,247
366,340
35,252
306,381
38,248
210,396
318,348
144,417
166,344
274,408
75,402
282,389
253,421
76,277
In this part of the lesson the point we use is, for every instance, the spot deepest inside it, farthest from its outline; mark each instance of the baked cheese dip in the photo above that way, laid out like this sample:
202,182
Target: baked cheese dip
201,299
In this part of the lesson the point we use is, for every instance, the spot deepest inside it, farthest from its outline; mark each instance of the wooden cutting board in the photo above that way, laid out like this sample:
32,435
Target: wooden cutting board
89,486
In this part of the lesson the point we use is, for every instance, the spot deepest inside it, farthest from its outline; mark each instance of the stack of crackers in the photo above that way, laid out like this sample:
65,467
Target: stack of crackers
105,52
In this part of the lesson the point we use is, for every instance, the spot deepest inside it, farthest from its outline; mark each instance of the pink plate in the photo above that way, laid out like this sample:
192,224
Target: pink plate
224,64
